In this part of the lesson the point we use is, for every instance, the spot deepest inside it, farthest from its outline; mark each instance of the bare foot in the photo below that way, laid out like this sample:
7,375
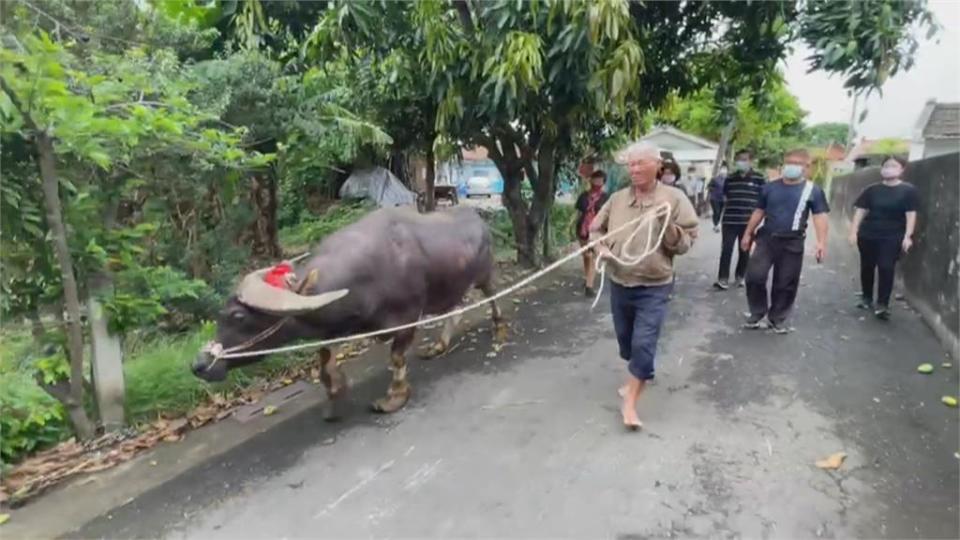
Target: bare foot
630,419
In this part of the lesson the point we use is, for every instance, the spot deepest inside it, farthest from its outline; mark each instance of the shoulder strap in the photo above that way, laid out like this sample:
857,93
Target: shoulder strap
802,205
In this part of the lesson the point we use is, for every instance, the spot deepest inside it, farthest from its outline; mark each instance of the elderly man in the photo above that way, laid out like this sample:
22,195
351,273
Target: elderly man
640,292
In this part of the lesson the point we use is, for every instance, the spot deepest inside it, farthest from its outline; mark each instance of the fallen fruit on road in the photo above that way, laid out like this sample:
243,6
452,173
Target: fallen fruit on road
925,368
833,461
949,401
4,518
268,410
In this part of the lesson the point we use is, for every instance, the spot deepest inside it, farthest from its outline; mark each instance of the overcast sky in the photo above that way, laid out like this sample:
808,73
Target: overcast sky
936,74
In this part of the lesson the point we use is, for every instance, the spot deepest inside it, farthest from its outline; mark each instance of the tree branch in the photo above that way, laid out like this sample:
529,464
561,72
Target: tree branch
15,99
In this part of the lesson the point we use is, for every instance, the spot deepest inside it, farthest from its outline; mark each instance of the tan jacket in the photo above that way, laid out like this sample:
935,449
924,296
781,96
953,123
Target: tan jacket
657,268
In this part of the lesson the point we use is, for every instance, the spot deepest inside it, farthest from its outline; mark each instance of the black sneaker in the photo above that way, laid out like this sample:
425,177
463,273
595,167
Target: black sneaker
779,328
739,283
882,313
865,304
720,285
753,323
589,292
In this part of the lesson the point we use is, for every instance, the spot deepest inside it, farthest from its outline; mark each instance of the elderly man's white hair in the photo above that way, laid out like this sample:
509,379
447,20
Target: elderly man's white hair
637,150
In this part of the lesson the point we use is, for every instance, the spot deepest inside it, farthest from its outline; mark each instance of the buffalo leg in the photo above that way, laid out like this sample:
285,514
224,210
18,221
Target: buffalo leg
500,328
446,336
334,381
399,390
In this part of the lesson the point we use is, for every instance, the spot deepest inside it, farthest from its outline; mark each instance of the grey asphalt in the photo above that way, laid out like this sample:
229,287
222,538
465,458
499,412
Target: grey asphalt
528,443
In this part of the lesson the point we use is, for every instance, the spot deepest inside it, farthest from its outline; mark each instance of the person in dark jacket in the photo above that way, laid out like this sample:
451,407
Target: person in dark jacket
741,191
715,192
882,229
588,204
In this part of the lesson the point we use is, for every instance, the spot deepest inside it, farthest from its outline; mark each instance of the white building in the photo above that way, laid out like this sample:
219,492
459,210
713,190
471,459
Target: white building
937,131
686,149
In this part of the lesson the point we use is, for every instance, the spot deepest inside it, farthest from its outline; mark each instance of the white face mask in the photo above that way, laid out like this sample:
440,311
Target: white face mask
889,172
742,166
668,178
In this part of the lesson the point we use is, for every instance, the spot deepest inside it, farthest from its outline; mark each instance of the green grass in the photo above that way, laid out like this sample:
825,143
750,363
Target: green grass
159,380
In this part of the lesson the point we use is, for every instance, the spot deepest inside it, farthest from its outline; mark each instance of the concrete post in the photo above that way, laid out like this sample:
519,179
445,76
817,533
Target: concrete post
107,367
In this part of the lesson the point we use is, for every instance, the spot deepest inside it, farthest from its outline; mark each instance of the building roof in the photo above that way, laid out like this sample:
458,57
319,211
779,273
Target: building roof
682,135
868,147
944,122
834,152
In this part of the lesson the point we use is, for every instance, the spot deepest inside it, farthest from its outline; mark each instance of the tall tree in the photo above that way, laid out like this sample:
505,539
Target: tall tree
530,80
826,133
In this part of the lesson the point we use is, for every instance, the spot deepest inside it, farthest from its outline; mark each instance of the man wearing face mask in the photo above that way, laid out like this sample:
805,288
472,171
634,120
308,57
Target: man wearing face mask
783,207
741,191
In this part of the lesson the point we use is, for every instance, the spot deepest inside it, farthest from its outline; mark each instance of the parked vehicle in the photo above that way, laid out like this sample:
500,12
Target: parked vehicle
480,186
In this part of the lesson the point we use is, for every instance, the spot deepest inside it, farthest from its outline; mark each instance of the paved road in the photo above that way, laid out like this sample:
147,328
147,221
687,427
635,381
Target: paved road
528,443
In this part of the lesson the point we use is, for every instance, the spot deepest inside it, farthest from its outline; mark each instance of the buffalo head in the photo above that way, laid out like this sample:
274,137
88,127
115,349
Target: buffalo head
259,316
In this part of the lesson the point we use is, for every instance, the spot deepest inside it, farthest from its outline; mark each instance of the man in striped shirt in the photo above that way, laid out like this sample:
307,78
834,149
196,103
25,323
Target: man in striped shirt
741,191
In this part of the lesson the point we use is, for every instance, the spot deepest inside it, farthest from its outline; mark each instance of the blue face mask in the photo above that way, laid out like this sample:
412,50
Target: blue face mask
792,171
742,166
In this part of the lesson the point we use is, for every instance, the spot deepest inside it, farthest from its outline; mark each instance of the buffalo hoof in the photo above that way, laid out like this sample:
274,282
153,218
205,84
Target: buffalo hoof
500,332
435,350
393,401
331,413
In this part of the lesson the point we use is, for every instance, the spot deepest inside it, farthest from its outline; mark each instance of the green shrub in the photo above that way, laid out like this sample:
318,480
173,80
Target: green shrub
30,419
308,232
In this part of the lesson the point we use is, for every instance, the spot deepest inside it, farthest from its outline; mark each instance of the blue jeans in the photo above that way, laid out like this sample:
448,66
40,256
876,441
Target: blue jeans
638,314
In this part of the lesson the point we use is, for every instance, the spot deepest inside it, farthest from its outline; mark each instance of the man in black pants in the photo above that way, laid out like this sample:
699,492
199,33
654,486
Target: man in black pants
783,207
740,194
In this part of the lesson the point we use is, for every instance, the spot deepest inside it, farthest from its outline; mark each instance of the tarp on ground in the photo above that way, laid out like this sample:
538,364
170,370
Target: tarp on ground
378,185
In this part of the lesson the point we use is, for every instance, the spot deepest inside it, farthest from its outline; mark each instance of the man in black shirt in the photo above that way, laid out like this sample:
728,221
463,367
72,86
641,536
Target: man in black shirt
741,190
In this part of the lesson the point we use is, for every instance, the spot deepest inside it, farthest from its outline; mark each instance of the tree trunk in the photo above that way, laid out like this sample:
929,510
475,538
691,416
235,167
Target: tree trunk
725,136
527,220
36,327
73,399
264,227
431,181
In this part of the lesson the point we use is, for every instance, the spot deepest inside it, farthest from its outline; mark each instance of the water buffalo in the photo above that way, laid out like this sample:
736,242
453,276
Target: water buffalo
391,267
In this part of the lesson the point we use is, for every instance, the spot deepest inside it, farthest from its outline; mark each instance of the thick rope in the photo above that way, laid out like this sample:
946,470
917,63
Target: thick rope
662,210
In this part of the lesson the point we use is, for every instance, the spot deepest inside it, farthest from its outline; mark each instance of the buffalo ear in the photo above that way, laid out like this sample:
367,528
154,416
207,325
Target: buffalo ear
308,281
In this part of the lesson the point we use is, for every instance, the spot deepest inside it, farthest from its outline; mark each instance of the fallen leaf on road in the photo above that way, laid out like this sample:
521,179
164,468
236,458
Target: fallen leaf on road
491,354
833,461
946,365
925,368
949,401
268,410
4,518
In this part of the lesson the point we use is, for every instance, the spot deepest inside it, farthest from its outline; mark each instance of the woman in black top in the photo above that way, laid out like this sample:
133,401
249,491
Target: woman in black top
882,229
587,205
